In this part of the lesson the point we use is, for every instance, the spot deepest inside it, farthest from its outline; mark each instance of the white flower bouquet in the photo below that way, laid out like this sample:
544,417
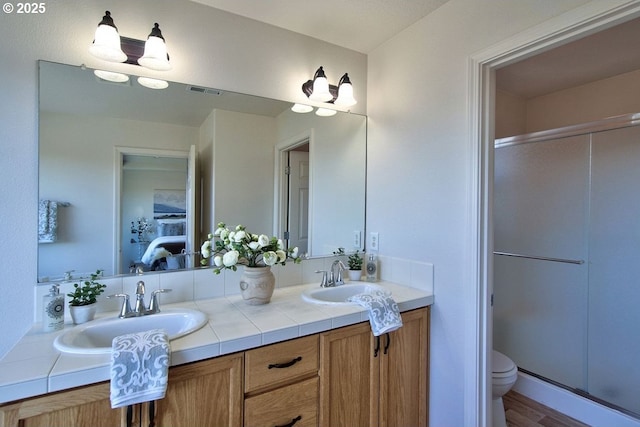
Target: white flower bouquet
232,247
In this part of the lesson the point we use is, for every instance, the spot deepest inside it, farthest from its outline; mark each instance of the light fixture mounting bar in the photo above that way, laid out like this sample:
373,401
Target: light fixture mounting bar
133,48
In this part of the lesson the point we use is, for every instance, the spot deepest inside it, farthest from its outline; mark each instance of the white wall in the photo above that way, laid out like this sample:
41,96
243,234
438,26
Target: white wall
597,100
207,47
418,168
243,146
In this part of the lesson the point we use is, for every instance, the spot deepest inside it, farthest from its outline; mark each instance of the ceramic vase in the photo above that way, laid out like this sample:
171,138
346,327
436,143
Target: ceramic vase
83,313
257,285
355,275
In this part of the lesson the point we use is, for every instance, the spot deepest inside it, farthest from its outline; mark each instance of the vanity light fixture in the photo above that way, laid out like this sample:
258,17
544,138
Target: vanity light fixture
345,92
320,87
155,51
108,45
320,90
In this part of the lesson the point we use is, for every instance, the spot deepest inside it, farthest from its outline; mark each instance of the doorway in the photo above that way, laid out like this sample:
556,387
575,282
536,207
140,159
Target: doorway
154,203
297,173
293,191
483,65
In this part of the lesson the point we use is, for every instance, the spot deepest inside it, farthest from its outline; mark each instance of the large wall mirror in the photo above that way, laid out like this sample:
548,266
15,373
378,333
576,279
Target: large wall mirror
135,178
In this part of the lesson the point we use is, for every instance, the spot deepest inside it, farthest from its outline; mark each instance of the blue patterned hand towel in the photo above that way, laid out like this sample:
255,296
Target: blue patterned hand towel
384,314
139,367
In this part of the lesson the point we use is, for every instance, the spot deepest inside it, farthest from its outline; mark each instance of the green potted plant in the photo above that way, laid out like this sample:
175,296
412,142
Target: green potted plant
84,298
355,265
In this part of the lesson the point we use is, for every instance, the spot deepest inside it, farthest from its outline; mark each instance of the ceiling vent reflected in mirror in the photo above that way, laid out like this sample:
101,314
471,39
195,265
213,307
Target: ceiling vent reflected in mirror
199,89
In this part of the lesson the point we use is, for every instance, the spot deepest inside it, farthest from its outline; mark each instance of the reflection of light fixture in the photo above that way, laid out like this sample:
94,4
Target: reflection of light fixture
153,83
301,108
106,43
155,51
109,46
320,90
111,76
325,112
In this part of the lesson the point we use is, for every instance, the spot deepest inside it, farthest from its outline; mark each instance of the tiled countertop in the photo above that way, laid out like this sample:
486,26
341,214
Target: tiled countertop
34,367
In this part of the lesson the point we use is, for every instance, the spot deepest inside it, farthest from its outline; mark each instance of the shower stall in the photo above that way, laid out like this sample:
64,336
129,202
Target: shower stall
567,257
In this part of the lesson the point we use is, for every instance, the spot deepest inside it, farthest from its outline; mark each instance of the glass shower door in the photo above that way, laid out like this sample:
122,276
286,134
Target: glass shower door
540,286
614,269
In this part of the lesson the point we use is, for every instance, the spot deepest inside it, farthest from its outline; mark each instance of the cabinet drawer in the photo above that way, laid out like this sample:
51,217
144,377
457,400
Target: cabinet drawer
279,363
280,407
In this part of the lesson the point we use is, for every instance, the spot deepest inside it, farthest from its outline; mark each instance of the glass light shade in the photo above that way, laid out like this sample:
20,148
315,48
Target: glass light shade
301,108
325,112
155,55
345,96
321,90
150,83
111,76
106,44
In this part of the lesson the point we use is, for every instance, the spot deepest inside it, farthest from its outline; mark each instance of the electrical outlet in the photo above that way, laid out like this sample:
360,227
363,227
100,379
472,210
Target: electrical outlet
356,239
375,244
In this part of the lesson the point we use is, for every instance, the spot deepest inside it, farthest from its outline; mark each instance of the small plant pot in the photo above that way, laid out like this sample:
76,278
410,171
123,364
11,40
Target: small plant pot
355,275
82,313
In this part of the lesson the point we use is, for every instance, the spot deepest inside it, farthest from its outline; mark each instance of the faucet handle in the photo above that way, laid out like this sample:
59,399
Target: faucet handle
325,279
154,305
125,310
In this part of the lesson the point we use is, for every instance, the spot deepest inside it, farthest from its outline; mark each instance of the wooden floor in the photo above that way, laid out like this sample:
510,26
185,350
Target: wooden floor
524,412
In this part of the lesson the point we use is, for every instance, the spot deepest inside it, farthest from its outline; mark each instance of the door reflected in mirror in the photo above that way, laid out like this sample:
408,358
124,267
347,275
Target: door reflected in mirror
88,128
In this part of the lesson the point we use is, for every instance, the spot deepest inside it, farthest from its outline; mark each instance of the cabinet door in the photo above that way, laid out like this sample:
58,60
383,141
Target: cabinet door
207,393
349,377
404,372
84,406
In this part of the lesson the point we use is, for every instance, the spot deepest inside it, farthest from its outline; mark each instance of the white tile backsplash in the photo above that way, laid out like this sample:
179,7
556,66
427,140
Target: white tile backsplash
203,283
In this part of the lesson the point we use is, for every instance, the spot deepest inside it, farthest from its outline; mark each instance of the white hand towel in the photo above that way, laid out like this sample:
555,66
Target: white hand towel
384,314
139,367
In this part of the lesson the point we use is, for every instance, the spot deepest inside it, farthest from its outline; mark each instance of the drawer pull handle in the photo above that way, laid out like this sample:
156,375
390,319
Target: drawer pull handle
293,421
377,349
285,365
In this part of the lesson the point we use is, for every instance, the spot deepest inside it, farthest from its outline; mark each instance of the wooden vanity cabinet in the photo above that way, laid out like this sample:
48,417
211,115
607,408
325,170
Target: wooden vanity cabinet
344,377
360,386
83,406
207,393
281,384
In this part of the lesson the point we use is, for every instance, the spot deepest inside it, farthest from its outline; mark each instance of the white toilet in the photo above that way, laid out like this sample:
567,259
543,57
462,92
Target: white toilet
504,376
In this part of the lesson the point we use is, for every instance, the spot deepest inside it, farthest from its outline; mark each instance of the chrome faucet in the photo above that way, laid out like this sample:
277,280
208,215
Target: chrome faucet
332,278
140,308
337,278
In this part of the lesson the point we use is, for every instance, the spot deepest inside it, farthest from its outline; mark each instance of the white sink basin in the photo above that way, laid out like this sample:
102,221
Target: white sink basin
95,337
338,295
